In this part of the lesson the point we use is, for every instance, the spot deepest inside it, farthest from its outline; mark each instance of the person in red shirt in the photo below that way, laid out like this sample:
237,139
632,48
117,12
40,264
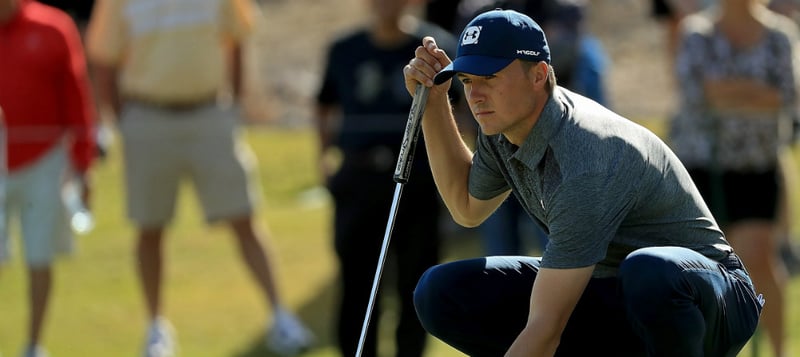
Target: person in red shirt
49,118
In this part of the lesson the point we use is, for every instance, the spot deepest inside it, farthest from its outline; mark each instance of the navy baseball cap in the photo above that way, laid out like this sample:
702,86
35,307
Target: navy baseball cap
494,39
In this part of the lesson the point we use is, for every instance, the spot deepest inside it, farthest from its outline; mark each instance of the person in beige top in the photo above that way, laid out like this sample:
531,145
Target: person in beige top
160,67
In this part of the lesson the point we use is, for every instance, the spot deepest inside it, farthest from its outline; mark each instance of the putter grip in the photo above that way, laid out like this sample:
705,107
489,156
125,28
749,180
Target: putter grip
403,169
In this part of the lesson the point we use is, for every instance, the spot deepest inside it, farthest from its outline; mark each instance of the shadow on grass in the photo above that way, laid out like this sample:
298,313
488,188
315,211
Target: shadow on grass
319,313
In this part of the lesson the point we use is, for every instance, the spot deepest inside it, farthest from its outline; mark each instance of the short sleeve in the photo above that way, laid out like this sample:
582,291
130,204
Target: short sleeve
486,179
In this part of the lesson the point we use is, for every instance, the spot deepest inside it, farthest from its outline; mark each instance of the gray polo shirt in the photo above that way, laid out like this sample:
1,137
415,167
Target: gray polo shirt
600,185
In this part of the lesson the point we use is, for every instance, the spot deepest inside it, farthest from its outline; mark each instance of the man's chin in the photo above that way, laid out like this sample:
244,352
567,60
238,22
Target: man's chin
488,130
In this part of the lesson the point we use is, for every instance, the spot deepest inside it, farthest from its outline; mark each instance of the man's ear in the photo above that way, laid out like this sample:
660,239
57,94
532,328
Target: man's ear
540,73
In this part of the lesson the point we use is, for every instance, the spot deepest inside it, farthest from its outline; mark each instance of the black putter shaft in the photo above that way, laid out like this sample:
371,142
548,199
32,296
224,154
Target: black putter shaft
401,174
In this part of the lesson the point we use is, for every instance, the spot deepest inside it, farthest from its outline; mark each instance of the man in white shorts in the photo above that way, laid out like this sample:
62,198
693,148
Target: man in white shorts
49,126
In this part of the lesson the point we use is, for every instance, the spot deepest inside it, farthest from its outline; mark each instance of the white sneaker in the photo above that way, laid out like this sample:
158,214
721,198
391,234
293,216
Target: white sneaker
288,336
160,341
35,351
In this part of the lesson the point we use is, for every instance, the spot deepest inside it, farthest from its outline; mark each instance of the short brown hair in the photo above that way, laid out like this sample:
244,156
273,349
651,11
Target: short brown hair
551,74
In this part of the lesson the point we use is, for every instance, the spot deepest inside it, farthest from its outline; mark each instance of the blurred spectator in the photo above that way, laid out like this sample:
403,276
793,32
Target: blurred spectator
789,170
363,108
161,67
49,117
737,74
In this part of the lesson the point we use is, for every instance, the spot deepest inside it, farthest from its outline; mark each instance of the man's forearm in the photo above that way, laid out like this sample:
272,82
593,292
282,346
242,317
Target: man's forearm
554,295
449,156
531,343
107,89
743,95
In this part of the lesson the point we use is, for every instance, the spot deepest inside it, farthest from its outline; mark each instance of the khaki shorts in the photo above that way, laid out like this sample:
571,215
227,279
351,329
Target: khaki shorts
33,194
204,145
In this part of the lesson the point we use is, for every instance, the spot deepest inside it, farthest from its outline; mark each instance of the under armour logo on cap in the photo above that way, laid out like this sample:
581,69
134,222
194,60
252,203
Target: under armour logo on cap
505,35
471,35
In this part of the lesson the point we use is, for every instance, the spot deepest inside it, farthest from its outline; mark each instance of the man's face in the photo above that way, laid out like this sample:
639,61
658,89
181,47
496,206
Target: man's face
502,102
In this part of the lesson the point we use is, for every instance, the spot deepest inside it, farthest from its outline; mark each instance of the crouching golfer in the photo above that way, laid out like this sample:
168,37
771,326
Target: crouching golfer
636,264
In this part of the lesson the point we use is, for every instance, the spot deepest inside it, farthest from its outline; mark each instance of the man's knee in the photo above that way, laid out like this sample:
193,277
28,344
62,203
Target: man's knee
427,297
646,278
645,269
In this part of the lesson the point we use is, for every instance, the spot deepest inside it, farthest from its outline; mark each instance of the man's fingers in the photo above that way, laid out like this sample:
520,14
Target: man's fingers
428,60
422,67
429,43
442,60
426,63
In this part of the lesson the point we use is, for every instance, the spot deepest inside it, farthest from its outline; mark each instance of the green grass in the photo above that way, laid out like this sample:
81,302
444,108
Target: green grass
97,308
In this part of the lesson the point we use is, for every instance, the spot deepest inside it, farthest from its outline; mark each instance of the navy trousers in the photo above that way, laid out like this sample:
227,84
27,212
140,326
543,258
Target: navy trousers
665,301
